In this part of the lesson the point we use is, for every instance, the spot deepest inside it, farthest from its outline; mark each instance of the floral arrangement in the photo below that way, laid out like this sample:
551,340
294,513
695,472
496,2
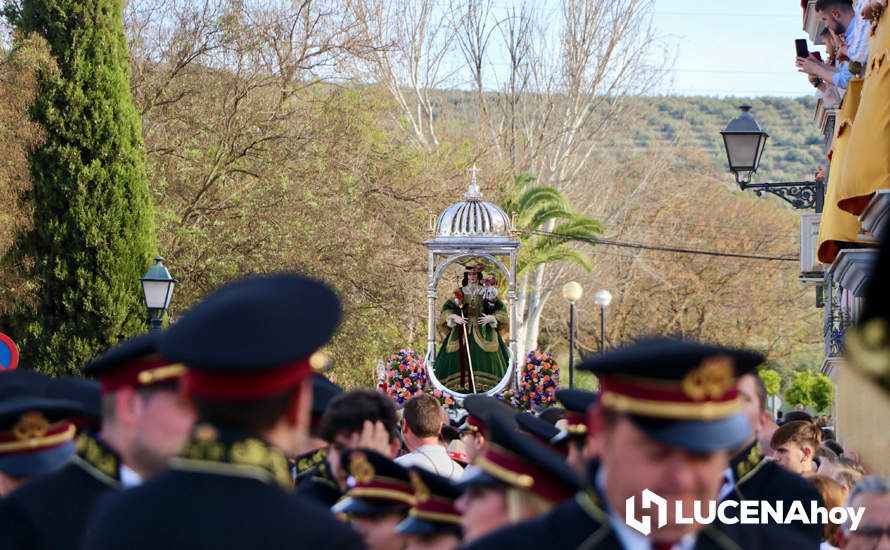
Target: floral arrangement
510,397
403,375
538,382
446,400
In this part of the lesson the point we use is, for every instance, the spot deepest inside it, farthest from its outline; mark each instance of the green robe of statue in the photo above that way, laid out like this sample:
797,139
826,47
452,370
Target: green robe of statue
487,350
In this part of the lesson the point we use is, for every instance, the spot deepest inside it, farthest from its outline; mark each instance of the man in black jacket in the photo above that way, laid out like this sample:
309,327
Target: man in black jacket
145,422
669,414
247,348
753,477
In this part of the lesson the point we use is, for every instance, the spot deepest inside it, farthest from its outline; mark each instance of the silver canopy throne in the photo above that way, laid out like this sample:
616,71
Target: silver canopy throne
468,229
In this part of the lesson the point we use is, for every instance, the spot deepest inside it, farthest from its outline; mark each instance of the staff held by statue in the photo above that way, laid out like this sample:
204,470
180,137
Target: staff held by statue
458,299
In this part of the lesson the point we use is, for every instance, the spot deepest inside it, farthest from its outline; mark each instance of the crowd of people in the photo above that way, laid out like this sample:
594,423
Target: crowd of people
845,36
214,434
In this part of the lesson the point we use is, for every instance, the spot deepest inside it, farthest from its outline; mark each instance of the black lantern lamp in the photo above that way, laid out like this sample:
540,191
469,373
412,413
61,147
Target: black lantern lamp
157,289
745,141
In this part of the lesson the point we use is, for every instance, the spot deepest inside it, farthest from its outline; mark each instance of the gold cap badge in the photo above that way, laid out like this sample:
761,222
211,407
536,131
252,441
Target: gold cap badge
712,379
360,468
30,426
421,491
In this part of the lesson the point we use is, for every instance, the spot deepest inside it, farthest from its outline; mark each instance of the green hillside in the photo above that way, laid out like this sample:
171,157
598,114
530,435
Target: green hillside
793,152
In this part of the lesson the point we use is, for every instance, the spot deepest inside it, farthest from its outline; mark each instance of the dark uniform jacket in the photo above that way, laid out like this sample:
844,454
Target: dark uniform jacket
224,491
581,524
51,512
757,478
318,485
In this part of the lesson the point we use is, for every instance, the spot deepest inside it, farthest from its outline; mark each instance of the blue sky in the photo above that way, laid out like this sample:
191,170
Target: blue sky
739,48
720,47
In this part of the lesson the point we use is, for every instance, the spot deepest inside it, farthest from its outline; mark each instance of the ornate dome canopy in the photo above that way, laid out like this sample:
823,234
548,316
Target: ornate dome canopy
473,218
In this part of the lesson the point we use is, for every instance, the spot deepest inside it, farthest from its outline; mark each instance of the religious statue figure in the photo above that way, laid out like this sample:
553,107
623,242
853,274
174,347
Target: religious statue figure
473,323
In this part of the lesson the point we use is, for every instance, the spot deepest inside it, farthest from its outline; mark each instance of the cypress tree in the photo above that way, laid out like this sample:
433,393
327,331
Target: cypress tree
92,234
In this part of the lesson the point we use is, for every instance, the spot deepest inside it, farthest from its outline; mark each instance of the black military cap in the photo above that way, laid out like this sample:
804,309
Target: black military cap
323,390
576,401
481,408
253,338
681,393
541,430
134,363
433,511
449,433
25,377
516,460
552,414
36,436
376,485
795,416
574,424
87,393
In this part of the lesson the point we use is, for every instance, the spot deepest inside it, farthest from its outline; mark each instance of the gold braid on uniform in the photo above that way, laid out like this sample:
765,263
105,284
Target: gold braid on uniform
748,468
311,460
247,456
748,464
98,460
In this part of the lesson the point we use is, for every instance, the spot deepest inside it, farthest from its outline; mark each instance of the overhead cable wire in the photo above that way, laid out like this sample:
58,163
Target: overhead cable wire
673,249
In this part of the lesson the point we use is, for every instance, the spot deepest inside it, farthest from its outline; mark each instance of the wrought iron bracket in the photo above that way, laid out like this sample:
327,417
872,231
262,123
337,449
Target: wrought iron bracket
799,194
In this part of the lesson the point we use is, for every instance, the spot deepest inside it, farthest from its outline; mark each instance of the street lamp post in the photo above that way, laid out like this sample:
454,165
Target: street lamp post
602,298
745,141
157,290
572,292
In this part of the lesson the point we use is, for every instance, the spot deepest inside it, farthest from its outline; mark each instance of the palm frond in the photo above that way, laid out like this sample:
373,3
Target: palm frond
544,214
580,226
558,254
541,195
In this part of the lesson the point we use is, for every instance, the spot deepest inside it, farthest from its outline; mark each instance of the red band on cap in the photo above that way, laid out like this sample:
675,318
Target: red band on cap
476,423
36,435
512,469
383,489
436,506
127,374
575,419
666,392
217,386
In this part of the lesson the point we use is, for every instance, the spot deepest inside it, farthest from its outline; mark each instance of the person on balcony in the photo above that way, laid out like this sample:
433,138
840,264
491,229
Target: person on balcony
843,19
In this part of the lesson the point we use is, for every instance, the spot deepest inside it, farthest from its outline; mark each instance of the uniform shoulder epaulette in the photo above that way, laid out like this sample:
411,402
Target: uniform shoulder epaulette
209,452
97,460
750,465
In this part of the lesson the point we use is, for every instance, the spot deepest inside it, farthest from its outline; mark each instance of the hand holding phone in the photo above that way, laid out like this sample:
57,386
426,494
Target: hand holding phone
801,46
